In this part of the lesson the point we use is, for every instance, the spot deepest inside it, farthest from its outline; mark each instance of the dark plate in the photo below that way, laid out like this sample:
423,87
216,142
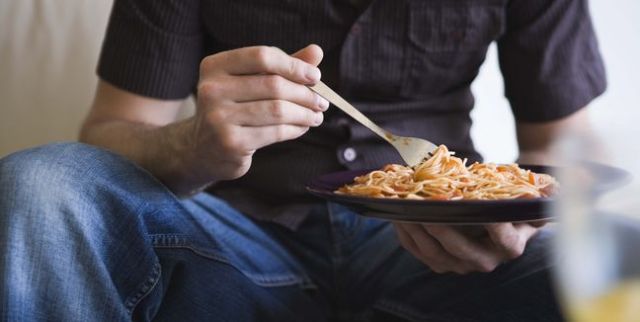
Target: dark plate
458,211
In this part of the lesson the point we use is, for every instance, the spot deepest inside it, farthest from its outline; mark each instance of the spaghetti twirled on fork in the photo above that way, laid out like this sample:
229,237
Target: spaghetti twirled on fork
445,177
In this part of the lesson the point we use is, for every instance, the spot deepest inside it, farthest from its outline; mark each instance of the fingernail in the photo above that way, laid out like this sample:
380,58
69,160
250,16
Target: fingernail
319,118
314,75
322,103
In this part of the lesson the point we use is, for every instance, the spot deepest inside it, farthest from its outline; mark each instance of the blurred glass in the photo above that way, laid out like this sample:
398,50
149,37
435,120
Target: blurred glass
597,245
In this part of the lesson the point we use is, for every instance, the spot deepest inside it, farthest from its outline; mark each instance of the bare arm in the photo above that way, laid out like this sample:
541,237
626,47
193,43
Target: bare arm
141,129
247,99
535,140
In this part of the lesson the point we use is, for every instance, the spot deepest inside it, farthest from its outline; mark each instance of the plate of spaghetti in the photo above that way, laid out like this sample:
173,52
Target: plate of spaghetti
444,189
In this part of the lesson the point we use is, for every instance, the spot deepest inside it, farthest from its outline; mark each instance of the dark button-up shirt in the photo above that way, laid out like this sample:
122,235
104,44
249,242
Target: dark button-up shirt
407,64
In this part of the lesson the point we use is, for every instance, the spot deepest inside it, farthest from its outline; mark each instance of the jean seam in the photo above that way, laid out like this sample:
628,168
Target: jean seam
144,290
159,241
335,242
352,233
286,280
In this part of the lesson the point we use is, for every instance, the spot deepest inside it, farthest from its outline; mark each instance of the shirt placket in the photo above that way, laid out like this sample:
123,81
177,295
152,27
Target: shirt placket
362,67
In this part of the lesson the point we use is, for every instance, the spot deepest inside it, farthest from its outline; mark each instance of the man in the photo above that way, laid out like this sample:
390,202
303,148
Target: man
96,232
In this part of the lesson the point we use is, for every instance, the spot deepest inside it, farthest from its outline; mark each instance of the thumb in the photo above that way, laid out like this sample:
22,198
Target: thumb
311,54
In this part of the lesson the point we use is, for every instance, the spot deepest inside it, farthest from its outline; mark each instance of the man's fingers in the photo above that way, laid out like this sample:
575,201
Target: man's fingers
527,231
431,252
311,54
406,241
274,112
274,87
538,223
261,60
410,244
235,140
257,137
508,240
260,87
465,248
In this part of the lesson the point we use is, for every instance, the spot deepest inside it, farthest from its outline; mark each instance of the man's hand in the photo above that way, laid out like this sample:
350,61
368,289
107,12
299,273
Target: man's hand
464,249
247,98
250,98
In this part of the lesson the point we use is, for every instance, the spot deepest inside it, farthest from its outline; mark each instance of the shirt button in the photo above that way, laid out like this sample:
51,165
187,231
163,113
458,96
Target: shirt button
349,154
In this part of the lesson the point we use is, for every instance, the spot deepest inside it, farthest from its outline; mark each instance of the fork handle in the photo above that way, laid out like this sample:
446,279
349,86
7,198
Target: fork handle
323,90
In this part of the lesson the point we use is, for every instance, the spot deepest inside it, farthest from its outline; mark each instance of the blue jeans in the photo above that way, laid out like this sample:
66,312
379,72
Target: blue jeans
86,235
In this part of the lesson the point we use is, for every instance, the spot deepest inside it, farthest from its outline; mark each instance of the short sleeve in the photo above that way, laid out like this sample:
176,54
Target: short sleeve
153,48
550,59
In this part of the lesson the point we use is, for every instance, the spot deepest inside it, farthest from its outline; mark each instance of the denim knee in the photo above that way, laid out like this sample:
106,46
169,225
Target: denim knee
59,173
70,221
70,185
47,174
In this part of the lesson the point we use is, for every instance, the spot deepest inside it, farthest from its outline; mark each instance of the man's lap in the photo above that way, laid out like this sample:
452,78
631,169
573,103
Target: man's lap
373,275
213,261
353,268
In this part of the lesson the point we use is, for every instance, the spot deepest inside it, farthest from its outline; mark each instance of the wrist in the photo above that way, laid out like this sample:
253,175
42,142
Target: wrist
181,169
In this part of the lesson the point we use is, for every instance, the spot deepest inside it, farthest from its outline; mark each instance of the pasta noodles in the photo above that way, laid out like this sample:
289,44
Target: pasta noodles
446,177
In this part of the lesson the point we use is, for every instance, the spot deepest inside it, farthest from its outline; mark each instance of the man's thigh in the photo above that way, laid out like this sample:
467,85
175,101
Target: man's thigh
216,264
90,234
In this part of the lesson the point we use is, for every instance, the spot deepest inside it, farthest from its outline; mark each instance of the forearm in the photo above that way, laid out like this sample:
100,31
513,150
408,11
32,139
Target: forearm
535,157
164,151
538,141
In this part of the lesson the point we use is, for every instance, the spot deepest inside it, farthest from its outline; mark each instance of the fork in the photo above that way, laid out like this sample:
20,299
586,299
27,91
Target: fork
412,150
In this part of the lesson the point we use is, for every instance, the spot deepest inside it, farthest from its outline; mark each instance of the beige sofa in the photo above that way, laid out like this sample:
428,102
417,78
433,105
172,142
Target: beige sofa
48,54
